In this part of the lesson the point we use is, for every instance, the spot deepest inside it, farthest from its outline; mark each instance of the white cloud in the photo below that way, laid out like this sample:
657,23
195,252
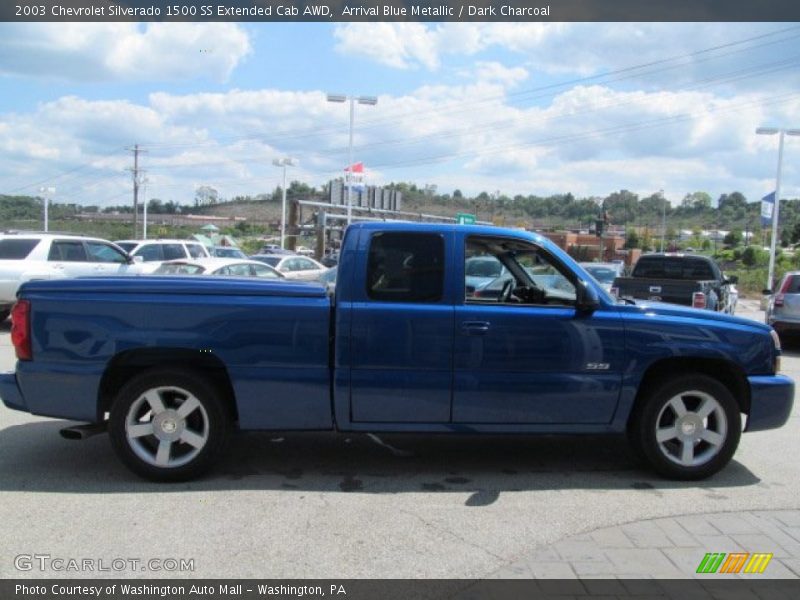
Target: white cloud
588,140
126,52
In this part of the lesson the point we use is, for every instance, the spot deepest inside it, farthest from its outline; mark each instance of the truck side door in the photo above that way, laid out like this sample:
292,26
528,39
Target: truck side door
524,354
401,345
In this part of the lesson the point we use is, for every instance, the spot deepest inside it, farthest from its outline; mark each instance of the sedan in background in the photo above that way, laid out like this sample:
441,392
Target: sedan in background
227,252
232,267
293,267
604,273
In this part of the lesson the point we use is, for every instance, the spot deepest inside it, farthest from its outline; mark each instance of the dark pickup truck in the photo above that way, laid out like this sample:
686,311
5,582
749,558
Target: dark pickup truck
695,281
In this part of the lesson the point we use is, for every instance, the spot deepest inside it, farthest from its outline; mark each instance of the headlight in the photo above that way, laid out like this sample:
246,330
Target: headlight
777,342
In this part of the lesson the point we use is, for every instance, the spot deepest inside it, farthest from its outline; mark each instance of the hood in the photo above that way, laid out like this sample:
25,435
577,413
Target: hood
662,309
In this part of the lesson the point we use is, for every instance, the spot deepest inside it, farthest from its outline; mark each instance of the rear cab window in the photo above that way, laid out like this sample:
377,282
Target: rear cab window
17,249
405,267
673,267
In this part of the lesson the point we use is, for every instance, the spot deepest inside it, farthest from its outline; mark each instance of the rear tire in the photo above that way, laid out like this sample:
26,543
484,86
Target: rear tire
687,428
169,425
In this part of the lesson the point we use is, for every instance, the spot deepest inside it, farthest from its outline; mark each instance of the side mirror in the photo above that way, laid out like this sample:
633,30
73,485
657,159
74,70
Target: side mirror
732,279
137,259
586,300
767,292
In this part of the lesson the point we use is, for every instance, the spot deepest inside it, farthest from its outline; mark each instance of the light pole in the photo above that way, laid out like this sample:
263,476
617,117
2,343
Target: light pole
145,181
663,221
284,162
46,193
776,206
369,101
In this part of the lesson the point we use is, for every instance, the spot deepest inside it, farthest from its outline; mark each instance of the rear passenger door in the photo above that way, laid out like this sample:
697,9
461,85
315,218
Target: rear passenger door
68,258
401,342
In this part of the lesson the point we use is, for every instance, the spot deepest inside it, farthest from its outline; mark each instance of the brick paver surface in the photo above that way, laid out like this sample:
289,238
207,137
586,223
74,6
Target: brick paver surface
670,547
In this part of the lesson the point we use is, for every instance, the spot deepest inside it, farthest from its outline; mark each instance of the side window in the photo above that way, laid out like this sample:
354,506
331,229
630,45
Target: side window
103,253
264,271
305,265
173,251
527,275
150,253
290,265
196,251
405,267
67,251
223,271
239,270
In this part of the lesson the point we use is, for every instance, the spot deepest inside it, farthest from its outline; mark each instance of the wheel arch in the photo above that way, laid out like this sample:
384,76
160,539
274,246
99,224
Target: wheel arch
126,365
727,373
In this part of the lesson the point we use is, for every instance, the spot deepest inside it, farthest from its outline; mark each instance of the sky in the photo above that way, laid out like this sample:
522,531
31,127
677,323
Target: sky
514,108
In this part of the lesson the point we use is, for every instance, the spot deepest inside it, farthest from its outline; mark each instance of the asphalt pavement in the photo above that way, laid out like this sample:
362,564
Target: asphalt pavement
342,506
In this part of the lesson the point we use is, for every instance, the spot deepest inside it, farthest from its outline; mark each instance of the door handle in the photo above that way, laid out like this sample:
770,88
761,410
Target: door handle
475,327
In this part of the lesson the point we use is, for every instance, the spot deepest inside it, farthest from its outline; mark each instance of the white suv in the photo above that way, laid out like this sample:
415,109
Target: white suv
154,252
29,256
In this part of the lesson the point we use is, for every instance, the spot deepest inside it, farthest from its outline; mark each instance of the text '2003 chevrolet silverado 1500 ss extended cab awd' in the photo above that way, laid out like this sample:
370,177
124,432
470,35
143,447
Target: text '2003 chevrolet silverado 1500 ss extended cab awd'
175,364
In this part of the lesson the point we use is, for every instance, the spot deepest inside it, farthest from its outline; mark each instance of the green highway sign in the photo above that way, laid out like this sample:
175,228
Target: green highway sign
465,219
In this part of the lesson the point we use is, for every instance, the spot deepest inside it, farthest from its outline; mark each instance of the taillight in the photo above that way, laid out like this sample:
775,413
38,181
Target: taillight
698,300
778,301
21,329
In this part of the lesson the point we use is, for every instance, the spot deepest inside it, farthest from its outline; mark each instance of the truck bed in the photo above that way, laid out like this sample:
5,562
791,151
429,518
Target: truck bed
271,337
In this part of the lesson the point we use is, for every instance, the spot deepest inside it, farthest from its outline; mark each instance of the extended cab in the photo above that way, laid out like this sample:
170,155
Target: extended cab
171,365
691,280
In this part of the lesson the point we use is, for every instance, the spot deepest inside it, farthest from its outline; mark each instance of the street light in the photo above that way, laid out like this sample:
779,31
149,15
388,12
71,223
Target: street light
46,193
284,162
776,206
145,182
369,101
663,221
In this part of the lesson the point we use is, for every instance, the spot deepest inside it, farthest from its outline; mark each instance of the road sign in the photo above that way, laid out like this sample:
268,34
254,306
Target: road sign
465,219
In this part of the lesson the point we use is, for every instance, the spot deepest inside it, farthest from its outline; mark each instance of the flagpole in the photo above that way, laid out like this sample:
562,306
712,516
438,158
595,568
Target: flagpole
350,162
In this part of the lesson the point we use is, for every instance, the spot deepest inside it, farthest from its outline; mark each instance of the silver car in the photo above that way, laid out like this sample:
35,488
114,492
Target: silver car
783,308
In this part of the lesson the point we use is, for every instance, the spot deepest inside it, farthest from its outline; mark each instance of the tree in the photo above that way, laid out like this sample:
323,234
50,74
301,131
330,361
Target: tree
631,239
733,238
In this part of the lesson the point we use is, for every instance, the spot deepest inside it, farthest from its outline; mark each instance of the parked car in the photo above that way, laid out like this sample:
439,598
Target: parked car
690,280
400,349
218,266
328,279
154,252
293,266
32,256
274,249
783,307
604,273
227,252
482,271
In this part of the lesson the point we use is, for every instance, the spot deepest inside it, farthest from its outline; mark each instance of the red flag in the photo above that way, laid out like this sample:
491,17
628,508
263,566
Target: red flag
355,168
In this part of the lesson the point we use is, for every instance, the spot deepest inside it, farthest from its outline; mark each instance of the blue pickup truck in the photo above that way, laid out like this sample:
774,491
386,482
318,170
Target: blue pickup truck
171,366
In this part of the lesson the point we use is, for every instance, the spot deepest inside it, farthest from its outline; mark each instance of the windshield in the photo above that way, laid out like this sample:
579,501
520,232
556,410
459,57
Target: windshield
602,274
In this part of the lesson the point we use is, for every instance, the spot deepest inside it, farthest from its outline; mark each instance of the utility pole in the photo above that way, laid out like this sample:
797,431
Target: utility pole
136,171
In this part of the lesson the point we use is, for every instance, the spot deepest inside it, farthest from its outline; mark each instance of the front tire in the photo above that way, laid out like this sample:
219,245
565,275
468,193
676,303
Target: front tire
168,425
687,428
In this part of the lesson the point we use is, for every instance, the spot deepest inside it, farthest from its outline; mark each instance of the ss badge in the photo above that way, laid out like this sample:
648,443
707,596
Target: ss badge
597,366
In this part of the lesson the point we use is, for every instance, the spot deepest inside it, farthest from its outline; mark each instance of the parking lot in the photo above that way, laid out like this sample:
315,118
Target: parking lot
341,506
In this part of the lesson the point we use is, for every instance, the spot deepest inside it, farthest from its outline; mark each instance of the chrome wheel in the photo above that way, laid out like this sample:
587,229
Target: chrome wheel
691,428
167,427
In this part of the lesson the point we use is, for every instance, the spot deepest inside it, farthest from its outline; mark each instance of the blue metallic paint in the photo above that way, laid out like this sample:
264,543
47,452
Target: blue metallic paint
405,367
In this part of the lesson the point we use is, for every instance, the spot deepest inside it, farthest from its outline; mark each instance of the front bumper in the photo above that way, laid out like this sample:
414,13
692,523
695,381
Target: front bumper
771,400
10,393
